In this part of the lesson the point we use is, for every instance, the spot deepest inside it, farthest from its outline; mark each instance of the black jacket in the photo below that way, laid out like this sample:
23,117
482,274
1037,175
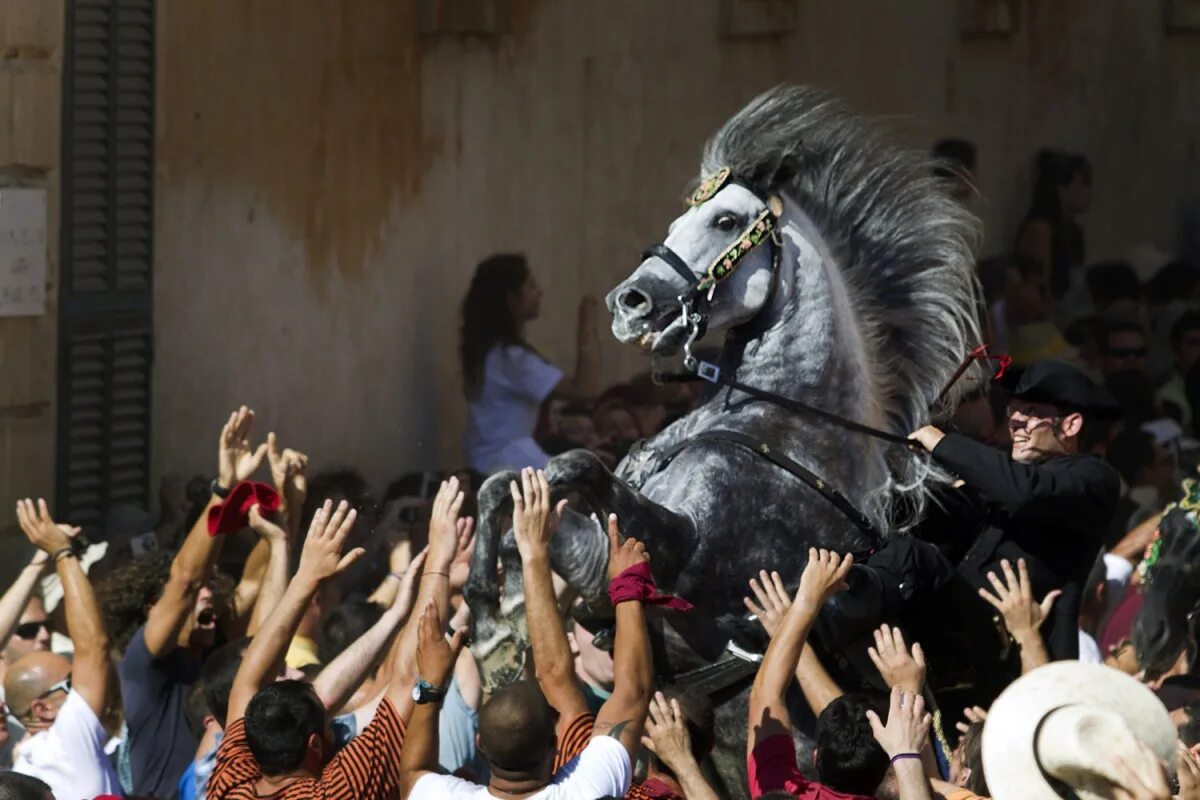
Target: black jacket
1054,514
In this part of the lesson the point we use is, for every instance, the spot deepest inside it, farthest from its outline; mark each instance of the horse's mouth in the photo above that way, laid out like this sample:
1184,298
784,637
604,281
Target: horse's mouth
664,337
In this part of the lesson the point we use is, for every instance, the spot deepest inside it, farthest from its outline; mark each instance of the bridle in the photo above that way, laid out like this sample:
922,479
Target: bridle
694,303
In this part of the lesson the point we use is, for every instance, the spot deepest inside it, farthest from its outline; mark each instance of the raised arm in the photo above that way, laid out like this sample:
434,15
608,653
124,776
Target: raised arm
623,715
448,534
13,603
275,576
435,661
535,521
668,738
1001,480
824,575
770,605
342,676
320,560
903,738
1022,614
91,663
236,461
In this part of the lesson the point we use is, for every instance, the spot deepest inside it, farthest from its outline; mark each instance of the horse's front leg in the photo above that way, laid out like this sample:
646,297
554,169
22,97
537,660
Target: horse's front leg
668,536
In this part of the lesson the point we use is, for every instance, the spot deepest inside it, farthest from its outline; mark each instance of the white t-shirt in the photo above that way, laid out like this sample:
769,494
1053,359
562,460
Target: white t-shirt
501,419
601,770
69,756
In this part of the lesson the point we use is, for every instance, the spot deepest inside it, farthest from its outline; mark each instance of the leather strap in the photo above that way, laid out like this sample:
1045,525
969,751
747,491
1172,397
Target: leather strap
673,261
784,462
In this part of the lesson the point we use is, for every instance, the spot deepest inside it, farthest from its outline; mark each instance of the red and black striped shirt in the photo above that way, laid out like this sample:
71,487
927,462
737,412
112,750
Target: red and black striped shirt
366,768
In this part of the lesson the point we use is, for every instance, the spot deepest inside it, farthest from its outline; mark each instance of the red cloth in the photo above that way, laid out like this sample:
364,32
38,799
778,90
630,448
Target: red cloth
1119,626
653,789
234,513
636,583
771,767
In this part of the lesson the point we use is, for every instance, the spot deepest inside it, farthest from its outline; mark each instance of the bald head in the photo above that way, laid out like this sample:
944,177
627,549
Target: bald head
29,678
516,731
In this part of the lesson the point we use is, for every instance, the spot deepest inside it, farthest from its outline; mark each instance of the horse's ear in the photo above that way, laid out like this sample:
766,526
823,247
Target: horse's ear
780,173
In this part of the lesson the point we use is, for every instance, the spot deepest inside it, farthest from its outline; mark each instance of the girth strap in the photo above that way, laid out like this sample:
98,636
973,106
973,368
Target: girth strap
786,463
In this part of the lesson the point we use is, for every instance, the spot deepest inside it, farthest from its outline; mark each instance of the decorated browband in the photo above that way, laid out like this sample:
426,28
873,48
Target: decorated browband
755,233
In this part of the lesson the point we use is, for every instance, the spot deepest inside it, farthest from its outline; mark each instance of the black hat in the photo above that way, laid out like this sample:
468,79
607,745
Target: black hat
1061,384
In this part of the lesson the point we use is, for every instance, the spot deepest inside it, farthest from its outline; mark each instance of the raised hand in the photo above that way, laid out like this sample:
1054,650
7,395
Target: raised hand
436,655
1141,776
40,529
895,663
971,715
535,518
907,724
823,577
444,528
322,556
1014,600
622,555
266,527
288,468
773,601
666,732
460,567
236,459
406,594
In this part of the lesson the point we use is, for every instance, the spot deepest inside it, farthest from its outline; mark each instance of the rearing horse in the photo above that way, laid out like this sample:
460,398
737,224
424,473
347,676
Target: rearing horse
856,296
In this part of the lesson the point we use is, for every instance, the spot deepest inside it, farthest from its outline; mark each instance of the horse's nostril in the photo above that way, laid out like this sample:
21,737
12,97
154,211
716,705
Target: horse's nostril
633,299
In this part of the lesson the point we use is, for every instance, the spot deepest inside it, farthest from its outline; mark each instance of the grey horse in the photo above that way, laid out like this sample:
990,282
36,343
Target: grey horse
862,302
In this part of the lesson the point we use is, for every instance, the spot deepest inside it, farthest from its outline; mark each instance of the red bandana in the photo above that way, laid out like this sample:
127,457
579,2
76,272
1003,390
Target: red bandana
636,583
234,513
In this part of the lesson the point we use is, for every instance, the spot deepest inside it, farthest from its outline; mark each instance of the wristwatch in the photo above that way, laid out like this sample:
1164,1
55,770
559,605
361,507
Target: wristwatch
426,692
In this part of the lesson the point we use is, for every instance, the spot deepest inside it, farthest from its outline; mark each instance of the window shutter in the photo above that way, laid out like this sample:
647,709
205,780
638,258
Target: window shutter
105,300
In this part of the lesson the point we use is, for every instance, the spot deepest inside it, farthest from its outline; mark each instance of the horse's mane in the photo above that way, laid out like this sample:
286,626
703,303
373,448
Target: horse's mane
906,249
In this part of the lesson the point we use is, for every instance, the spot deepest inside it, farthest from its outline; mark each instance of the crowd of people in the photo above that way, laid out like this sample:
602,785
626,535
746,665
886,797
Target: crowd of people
296,637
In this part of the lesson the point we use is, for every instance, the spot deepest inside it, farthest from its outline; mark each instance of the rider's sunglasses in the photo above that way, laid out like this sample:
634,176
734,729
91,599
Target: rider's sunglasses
30,630
1023,419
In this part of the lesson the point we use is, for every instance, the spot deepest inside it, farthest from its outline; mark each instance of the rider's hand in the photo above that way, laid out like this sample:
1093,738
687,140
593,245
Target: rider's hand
927,437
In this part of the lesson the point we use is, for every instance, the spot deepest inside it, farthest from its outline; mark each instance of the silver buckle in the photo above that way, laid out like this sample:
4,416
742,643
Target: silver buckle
708,372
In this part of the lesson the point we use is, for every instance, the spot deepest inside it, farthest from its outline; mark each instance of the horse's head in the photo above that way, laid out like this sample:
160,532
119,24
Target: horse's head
1164,626
725,239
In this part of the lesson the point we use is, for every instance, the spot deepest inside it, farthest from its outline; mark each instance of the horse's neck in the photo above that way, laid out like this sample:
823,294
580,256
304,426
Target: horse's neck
805,346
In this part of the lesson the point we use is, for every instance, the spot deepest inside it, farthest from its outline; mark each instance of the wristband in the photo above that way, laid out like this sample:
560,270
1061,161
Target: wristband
902,756
219,490
61,553
443,574
394,575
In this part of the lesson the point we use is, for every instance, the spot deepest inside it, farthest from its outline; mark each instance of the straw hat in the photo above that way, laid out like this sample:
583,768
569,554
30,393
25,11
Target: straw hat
1065,722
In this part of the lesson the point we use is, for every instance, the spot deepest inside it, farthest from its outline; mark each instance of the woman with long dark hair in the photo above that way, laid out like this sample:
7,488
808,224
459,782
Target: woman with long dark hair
1050,234
505,379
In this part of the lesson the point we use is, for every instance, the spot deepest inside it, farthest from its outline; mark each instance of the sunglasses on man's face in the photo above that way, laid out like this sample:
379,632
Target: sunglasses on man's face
30,630
62,686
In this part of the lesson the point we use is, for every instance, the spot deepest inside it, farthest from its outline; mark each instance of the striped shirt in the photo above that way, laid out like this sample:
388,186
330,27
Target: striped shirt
574,739
368,767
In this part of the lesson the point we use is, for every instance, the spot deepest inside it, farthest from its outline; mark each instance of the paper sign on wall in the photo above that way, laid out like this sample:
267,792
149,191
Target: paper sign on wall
22,252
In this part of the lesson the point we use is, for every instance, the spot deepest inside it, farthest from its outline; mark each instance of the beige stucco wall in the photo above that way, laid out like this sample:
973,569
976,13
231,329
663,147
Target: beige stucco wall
30,118
328,179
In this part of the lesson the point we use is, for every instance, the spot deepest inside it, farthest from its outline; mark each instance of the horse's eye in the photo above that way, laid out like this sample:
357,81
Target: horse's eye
725,222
